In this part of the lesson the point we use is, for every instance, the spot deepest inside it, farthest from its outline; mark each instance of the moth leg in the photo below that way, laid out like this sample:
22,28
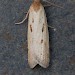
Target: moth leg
52,28
51,4
24,18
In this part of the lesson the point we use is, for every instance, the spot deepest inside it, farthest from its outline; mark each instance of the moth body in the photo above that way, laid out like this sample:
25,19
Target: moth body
38,36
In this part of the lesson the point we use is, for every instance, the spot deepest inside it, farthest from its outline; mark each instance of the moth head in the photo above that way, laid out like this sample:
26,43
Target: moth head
36,0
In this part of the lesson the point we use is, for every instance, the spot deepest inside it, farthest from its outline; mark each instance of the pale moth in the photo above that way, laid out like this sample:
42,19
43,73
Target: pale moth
38,36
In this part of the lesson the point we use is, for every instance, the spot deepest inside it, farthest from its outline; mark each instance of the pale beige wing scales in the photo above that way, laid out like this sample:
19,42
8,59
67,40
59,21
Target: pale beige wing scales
38,38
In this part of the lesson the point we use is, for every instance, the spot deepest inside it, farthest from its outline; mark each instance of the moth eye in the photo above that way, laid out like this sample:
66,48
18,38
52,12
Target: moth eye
31,28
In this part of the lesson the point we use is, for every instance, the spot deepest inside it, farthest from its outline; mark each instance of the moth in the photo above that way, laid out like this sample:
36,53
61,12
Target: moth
38,35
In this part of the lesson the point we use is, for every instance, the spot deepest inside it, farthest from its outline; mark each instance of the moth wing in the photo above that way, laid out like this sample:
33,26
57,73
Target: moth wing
38,38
